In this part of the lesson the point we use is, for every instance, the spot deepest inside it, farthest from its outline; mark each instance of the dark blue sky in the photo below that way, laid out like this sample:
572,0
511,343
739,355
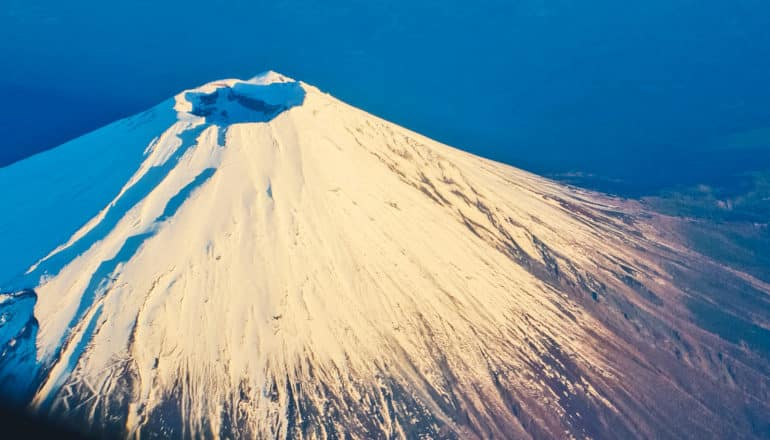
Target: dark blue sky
648,91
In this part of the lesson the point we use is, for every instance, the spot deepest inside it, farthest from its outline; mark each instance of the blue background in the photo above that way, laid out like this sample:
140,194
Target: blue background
653,92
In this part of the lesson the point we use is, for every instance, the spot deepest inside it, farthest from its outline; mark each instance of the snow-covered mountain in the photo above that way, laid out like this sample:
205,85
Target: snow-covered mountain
256,259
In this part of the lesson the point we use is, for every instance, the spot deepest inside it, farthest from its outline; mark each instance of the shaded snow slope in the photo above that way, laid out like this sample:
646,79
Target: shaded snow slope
274,263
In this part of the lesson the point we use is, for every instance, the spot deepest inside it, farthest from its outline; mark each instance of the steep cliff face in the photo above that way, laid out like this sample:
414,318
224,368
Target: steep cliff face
263,260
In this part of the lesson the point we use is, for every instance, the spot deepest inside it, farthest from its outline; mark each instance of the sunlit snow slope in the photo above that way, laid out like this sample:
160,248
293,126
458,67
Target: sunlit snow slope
258,259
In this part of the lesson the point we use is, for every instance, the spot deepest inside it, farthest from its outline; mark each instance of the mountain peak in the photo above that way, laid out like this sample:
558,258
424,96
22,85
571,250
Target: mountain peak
230,101
270,77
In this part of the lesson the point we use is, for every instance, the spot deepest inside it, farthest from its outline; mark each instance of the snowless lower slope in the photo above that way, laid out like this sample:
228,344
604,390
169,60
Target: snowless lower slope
256,259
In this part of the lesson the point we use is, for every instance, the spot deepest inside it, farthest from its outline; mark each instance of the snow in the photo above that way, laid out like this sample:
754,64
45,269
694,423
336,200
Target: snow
270,250
70,183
